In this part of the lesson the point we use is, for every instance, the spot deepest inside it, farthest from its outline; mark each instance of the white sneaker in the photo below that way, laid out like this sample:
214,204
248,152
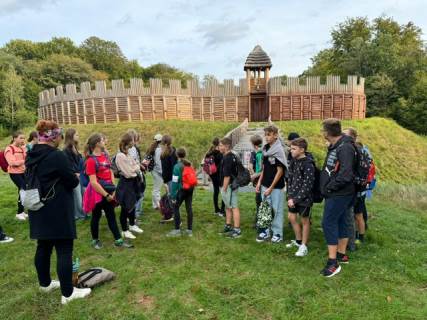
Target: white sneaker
302,251
77,294
54,284
293,243
276,239
136,229
128,234
25,215
6,239
21,216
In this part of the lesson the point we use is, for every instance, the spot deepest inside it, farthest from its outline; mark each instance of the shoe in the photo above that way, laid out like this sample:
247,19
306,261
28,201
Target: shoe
21,216
122,244
276,239
6,239
54,284
166,220
77,294
343,258
96,244
135,229
174,233
302,251
189,232
292,244
25,215
263,236
236,233
128,234
330,270
357,242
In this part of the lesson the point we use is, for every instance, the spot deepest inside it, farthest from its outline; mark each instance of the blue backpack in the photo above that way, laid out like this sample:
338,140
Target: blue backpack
84,178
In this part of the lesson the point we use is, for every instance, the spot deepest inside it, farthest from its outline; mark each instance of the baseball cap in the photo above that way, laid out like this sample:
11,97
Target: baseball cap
158,137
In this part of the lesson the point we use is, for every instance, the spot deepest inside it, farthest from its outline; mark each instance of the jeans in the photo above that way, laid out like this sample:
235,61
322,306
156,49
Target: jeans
64,263
19,181
187,196
338,221
111,219
138,207
78,206
157,186
276,200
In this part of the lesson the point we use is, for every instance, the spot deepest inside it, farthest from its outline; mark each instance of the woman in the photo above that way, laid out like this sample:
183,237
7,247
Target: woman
32,140
168,159
71,150
99,194
153,154
15,155
129,188
217,157
53,225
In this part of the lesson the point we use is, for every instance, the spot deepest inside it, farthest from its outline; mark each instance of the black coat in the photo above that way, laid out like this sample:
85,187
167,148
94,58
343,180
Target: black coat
75,159
167,166
55,220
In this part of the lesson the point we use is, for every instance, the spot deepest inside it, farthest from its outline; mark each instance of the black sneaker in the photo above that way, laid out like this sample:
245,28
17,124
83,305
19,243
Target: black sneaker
122,244
330,270
343,258
227,230
235,234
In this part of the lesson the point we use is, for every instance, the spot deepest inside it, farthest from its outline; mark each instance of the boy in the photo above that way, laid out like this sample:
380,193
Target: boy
272,182
229,196
255,167
337,186
300,194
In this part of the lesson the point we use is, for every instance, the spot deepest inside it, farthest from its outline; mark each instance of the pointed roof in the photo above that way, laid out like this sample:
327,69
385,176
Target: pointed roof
257,59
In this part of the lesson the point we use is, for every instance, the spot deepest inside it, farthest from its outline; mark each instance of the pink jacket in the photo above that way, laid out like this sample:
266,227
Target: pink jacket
15,157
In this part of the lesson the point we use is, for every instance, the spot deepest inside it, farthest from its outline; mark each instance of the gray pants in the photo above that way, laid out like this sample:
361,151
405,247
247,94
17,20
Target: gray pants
157,186
78,205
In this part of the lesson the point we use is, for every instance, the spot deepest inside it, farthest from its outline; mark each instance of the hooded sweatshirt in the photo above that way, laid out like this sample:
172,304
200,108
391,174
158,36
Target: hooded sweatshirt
301,180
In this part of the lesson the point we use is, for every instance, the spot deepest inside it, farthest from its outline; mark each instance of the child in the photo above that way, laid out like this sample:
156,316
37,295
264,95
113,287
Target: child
135,153
179,195
153,153
217,156
229,196
255,167
300,194
168,159
272,182
33,139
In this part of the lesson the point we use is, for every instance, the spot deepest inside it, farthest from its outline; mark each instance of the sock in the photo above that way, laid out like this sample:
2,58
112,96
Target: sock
340,255
299,241
361,236
332,262
357,235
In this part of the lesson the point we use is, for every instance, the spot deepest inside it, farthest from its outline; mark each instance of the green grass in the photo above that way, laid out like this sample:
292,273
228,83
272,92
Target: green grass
211,277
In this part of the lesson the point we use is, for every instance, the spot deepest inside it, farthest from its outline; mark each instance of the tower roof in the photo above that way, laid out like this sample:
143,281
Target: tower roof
257,59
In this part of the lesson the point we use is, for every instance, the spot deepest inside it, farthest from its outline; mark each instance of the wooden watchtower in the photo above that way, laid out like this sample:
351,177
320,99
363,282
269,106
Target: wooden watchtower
257,67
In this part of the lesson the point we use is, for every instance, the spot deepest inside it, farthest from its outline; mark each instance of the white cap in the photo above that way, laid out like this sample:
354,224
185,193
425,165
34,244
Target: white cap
158,137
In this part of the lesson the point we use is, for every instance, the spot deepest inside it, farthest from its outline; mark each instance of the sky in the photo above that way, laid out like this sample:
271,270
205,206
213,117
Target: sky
202,37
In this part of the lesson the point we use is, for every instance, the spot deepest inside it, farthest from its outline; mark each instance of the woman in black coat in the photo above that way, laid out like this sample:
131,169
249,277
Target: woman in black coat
53,225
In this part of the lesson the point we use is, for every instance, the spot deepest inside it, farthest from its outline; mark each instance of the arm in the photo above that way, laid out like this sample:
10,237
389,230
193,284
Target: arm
11,159
345,174
226,183
261,176
307,184
277,177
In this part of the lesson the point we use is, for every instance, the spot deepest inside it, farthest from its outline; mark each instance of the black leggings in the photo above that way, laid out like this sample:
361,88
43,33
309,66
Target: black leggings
64,263
125,214
216,187
187,196
111,219
19,181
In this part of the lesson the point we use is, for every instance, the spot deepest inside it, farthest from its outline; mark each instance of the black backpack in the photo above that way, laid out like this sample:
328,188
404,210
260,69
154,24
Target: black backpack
361,168
243,177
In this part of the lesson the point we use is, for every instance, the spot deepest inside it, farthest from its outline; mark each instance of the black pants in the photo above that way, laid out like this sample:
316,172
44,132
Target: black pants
258,200
2,235
111,219
187,196
125,214
19,181
216,187
64,264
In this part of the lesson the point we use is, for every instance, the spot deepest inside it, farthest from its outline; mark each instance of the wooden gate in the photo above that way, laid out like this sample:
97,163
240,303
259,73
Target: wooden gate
259,108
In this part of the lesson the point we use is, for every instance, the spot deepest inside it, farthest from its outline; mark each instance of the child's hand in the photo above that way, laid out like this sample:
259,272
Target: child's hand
268,192
291,203
258,188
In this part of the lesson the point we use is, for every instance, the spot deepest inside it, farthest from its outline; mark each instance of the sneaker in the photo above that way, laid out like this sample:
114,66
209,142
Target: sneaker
220,214
227,230
302,251
189,232
276,239
343,258
330,270
135,229
25,215
54,284
96,244
174,233
77,294
263,236
128,234
236,233
122,244
21,216
166,220
6,239
292,244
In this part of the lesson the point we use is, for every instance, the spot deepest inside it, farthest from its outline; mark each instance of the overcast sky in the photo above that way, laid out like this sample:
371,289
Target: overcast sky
203,37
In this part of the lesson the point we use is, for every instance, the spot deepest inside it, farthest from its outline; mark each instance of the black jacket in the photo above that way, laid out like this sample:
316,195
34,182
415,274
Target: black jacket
55,220
301,181
167,166
337,175
75,159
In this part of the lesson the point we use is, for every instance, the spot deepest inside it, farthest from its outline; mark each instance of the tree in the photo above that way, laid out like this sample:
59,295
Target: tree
165,72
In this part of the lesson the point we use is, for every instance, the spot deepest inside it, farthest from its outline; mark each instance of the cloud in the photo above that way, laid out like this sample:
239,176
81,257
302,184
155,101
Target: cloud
126,19
222,32
12,6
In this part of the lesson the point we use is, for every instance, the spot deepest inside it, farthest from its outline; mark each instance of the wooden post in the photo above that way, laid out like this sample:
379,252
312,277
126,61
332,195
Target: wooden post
129,109
84,111
152,107
103,110
117,109
140,108
92,101
281,108
165,111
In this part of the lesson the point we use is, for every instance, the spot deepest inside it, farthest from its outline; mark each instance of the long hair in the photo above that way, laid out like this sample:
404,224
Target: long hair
15,135
69,142
152,148
91,143
167,148
215,144
32,136
125,142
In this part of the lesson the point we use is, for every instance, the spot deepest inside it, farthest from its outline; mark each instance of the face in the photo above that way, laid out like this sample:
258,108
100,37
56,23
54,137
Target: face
271,137
35,140
222,148
101,144
19,140
296,152
76,137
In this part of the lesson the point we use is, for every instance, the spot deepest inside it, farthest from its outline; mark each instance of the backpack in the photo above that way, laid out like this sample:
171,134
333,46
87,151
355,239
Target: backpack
94,277
189,177
166,207
209,165
84,178
265,215
151,162
3,162
243,177
361,169
114,167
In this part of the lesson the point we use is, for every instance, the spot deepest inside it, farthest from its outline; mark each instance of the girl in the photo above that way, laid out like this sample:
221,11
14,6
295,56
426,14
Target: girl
217,156
15,155
32,140
129,187
99,194
53,225
135,153
154,153
71,150
168,160
179,195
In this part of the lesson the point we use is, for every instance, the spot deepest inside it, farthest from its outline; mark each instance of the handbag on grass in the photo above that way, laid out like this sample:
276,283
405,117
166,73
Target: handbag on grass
95,277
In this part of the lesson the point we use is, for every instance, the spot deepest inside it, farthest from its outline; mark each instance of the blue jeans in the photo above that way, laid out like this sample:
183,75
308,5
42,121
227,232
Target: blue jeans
138,207
276,200
337,218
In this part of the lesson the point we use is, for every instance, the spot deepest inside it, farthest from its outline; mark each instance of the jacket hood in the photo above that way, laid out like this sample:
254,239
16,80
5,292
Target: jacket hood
38,153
